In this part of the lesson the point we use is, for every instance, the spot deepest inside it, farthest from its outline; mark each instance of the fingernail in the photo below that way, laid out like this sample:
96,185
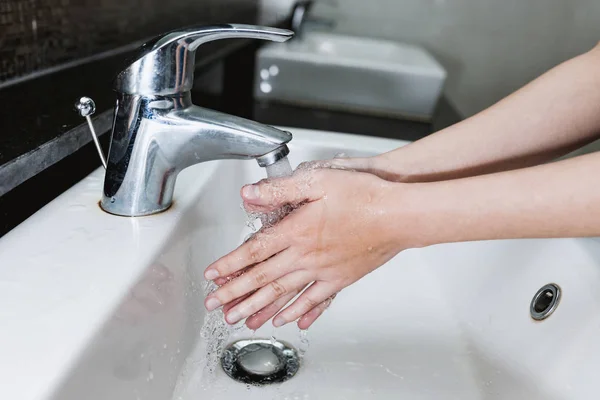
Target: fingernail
233,317
278,321
211,274
251,192
212,303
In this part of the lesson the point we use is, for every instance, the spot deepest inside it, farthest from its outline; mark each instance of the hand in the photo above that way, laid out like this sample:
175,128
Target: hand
385,166
338,234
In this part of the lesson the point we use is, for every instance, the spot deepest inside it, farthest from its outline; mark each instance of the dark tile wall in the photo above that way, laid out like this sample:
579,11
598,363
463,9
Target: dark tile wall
39,34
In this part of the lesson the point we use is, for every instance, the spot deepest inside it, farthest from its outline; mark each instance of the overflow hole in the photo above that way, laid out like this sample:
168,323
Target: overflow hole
545,301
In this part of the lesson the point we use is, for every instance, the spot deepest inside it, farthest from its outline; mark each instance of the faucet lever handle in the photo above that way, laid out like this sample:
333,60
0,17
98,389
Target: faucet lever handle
166,63
194,37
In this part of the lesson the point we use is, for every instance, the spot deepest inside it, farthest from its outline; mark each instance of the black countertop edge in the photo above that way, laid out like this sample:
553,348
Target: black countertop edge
74,63
18,170
274,113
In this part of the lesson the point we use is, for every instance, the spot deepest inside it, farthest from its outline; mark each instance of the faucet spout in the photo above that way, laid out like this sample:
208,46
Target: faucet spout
214,135
153,139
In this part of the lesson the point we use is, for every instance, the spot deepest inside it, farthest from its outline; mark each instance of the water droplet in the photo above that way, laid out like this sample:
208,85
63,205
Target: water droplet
112,199
216,333
304,343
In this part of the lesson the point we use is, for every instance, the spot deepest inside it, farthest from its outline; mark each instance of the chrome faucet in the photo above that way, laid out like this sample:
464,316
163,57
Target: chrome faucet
157,131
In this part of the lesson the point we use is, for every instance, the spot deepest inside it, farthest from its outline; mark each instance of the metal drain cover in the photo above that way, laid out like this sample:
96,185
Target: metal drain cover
260,361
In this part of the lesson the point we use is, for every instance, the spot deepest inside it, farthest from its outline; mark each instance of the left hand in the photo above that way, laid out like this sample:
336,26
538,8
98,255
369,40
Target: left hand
341,232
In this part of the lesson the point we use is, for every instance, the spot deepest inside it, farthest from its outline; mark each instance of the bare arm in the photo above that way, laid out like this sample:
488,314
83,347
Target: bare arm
560,199
550,117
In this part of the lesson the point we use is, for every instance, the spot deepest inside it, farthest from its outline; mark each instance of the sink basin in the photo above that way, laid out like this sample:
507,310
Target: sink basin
96,306
351,73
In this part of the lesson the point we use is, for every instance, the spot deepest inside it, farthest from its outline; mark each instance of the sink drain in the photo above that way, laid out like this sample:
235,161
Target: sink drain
545,302
260,361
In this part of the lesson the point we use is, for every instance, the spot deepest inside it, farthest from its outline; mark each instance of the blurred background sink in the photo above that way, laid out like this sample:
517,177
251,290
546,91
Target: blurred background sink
364,75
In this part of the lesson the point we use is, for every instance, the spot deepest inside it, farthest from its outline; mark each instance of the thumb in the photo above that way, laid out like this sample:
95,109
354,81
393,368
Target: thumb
273,194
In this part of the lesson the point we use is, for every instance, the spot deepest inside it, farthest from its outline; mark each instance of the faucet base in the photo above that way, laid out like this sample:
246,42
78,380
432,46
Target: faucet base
117,213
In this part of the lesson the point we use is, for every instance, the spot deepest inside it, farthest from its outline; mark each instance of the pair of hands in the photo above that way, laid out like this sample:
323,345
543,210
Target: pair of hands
336,235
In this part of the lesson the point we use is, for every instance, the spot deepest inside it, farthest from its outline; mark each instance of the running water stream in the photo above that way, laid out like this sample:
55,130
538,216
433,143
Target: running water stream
215,331
200,374
279,169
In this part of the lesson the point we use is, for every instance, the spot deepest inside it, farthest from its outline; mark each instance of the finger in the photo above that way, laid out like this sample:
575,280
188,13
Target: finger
272,194
281,287
222,281
307,319
257,277
262,246
339,162
317,293
258,319
235,302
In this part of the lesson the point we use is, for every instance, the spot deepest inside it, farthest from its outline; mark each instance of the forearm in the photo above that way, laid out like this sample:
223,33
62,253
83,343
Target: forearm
550,117
560,199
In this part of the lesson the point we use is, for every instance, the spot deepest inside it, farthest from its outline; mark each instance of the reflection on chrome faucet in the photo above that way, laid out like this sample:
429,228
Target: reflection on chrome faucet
157,131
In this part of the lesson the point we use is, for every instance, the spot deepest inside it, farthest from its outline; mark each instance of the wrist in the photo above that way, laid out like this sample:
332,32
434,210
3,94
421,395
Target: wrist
426,214
389,166
407,215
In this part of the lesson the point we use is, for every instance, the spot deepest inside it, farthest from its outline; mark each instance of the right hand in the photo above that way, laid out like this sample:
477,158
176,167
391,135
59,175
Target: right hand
376,165
331,241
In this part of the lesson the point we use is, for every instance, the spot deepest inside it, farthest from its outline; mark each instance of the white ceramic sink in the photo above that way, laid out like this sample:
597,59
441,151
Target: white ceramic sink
102,307
351,73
